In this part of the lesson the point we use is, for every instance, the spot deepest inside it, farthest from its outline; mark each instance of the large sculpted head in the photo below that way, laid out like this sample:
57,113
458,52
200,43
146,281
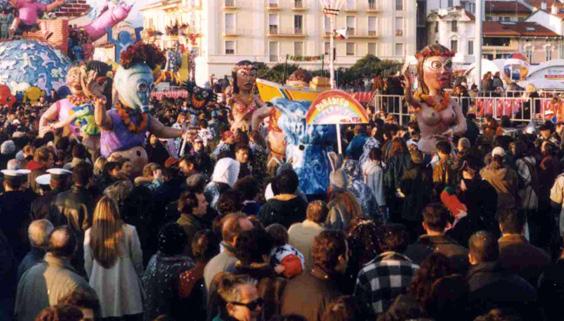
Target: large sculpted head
244,76
133,80
434,68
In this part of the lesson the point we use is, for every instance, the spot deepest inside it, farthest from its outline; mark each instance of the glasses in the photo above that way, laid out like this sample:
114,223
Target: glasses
253,305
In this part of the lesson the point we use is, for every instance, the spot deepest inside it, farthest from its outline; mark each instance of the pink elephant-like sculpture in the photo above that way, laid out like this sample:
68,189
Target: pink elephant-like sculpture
109,18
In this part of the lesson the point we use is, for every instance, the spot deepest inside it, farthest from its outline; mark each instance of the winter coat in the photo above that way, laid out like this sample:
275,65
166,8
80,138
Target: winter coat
417,186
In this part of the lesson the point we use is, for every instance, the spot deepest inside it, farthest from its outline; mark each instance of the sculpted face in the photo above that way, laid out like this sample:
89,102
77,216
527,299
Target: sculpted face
437,72
73,80
246,77
134,86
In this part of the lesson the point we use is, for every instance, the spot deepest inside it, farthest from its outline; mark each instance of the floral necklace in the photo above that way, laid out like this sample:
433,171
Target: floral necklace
126,119
431,102
78,100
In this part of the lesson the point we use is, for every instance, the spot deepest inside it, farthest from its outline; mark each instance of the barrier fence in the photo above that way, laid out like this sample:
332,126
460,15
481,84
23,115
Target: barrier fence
517,109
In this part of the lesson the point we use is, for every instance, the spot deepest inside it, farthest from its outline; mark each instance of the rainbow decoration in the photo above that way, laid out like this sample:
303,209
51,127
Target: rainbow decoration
269,91
336,107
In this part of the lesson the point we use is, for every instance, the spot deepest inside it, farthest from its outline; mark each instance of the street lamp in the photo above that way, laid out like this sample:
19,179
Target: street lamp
331,9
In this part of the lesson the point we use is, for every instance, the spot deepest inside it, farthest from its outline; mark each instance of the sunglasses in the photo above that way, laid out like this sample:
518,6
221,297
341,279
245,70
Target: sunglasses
253,305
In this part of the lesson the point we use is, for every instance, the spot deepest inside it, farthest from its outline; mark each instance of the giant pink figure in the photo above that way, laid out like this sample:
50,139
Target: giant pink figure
439,117
109,18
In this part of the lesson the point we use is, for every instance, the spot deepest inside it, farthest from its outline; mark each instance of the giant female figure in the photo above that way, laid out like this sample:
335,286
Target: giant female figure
439,117
244,102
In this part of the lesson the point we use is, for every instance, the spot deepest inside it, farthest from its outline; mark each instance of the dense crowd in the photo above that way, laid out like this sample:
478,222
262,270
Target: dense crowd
208,231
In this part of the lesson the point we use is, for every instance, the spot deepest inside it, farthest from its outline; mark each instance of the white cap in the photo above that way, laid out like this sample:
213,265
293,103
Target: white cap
15,172
44,179
498,151
59,171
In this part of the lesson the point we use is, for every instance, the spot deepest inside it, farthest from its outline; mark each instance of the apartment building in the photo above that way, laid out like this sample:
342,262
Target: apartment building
270,30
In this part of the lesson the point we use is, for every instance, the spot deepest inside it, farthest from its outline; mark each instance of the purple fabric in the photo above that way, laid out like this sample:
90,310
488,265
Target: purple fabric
119,138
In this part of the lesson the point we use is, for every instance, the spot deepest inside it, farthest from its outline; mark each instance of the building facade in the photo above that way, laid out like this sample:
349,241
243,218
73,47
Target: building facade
454,29
269,30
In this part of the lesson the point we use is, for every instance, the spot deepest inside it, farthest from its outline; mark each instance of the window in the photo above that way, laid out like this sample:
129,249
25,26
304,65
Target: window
399,5
399,26
229,23
454,45
350,25
229,3
298,4
273,24
327,24
273,3
454,26
298,24
450,4
371,26
547,53
529,52
351,4
372,48
230,47
350,48
399,49
326,48
372,4
298,48
470,47
273,51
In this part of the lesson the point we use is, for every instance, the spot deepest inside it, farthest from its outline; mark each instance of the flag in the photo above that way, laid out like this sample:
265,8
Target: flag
341,34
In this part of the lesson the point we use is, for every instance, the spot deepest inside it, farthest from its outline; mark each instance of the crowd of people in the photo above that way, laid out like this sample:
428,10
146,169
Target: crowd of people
208,231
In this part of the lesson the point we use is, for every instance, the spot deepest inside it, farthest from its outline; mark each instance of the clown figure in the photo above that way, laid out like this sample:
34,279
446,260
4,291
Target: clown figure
124,127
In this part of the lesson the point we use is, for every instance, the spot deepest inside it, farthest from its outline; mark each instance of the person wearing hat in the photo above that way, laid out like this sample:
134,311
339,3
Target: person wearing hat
43,158
503,178
203,159
14,210
51,184
416,187
7,152
226,144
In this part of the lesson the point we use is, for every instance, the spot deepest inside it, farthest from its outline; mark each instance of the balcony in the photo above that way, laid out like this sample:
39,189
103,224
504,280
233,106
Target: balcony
298,31
229,4
273,58
298,5
372,33
273,30
399,33
272,6
350,32
372,7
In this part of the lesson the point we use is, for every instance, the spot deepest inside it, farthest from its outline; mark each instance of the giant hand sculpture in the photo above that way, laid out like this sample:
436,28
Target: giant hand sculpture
109,18
306,146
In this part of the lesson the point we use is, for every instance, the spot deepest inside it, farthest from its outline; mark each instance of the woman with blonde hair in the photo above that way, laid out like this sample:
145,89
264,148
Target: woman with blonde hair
113,262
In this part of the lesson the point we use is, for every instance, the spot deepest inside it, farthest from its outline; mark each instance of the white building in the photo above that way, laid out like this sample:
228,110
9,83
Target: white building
433,5
269,30
454,29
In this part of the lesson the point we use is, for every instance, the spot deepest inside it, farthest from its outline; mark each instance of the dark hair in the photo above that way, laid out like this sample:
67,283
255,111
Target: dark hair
326,249
239,146
286,182
172,239
448,294
252,245
187,202
363,243
278,233
343,308
229,202
204,245
436,217
375,154
64,247
444,147
483,247
431,269
82,299
511,220
393,237
79,151
60,312
247,186
81,173
499,315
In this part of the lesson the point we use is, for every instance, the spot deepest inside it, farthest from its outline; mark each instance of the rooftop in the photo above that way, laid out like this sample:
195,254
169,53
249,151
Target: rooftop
506,7
516,29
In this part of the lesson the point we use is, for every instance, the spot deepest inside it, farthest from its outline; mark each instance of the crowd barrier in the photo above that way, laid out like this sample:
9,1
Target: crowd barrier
517,109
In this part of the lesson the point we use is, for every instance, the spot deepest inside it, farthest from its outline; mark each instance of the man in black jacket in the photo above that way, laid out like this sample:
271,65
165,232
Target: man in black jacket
493,287
435,221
